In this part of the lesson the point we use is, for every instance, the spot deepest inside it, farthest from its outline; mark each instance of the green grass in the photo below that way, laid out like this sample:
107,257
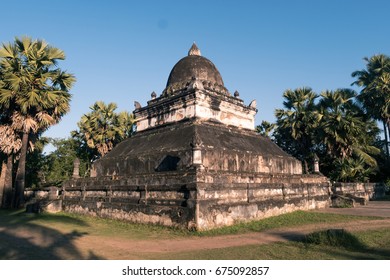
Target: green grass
298,218
367,245
385,198
88,224
334,238
108,227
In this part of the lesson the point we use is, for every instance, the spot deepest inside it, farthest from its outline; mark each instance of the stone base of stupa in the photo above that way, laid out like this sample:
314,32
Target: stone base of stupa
154,177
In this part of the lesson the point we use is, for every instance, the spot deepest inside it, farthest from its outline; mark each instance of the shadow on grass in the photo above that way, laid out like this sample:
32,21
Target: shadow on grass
384,198
20,216
343,244
21,239
335,244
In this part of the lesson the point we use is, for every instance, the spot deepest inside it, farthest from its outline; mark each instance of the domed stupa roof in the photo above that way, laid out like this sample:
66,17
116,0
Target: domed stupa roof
193,66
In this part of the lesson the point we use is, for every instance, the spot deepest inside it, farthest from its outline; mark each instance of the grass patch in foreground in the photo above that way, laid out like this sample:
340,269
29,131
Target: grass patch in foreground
385,198
96,226
65,222
297,218
367,245
334,238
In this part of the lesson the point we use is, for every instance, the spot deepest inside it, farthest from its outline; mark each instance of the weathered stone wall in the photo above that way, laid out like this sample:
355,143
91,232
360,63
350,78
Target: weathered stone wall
165,110
174,199
225,109
204,105
232,160
46,199
229,198
163,200
365,191
218,199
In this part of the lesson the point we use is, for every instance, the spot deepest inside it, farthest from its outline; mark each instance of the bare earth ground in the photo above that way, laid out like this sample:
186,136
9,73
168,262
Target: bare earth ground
90,246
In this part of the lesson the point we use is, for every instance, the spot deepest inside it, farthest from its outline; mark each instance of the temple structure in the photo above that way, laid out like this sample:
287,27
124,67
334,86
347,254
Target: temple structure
195,161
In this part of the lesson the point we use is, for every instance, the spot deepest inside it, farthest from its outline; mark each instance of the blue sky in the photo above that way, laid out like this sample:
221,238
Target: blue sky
121,51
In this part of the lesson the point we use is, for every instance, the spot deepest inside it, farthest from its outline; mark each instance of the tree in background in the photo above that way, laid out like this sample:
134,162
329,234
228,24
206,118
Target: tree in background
57,166
103,128
265,129
35,91
35,162
336,129
348,136
297,123
10,144
54,168
375,95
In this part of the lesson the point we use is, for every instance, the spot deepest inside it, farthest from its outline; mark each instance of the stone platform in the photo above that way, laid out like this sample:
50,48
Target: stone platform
241,176
176,199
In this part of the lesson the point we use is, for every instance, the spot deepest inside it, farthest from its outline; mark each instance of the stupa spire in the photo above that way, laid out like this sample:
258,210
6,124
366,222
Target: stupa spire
194,50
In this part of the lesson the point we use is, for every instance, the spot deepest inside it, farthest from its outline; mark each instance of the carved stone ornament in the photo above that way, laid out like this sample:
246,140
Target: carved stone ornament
137,105
194,50
196,141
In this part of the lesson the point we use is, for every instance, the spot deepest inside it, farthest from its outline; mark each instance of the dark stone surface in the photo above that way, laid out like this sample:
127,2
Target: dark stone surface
194,66
169,148
339,201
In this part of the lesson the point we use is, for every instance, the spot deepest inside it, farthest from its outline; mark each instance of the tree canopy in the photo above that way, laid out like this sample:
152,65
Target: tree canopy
34,94
103,128
375,93
336,128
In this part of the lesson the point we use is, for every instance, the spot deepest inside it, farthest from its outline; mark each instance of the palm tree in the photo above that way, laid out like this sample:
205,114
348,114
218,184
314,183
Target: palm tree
126,123
383,85
265,128
102,128
10,144
351,170
35,90
345,131
375,95
338,122
299,121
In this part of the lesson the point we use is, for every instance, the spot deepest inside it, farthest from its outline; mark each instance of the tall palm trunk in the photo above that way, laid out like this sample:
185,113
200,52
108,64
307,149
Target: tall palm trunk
7,190
21,174
388,135
386,129
2,181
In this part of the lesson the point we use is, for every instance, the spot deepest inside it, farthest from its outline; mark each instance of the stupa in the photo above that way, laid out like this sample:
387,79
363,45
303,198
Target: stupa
195,161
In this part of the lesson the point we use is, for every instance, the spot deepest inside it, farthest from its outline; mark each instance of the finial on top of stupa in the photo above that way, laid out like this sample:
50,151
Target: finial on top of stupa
194,50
